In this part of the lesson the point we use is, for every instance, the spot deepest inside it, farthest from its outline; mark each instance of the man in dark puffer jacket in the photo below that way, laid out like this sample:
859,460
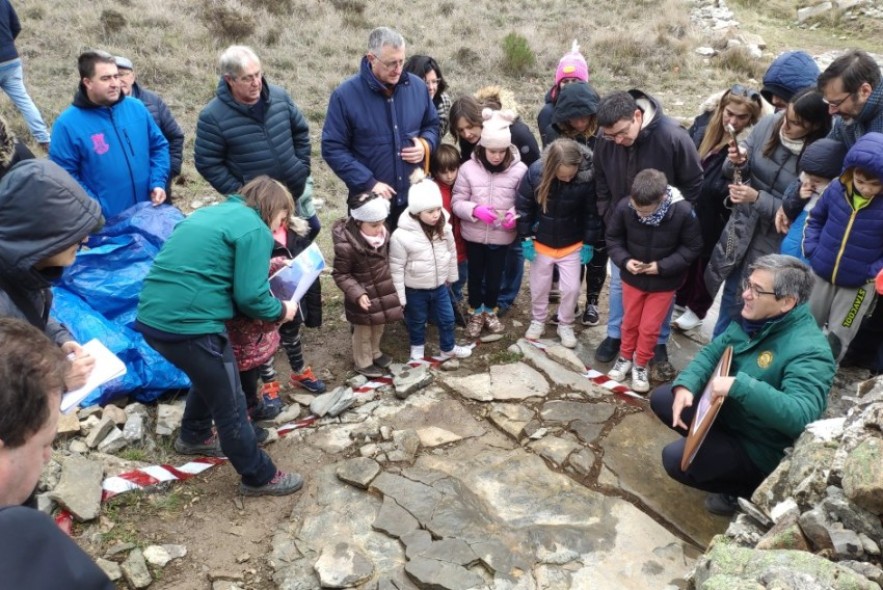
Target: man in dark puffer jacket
251,128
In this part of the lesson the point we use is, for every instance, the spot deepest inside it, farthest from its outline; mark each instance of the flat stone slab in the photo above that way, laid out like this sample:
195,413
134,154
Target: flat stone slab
562,412
566,358
79,489
555,449
632,451
135,570
358,472
433,436
517,381
341,565
394,520
511,418
558,374
431,573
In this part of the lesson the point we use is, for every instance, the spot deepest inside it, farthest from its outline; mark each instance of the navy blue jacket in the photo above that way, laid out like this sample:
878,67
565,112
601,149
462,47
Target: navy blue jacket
235,145
167,124
844,245
365,130
9,30
790,72
117,153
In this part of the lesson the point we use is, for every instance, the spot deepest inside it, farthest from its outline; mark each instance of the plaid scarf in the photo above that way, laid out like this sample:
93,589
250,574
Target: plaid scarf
657,216
870,119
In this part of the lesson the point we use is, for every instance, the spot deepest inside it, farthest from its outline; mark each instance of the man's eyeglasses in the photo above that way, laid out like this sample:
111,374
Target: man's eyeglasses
390,65
750,94
755,290
837,103
619,134
250,78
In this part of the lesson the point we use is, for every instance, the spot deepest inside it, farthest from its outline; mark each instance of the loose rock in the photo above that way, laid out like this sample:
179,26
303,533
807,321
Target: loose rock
135,570
342,565
79,490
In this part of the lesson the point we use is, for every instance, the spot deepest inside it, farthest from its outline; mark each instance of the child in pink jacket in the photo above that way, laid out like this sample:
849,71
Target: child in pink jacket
484,199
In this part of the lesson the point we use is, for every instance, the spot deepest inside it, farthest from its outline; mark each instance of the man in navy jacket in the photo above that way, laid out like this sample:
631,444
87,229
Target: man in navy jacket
380,124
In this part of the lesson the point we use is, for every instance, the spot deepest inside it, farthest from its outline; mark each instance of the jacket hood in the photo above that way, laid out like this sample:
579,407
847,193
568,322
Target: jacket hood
82,100
499,95
652,110
867,154
790,72
43,211
576,100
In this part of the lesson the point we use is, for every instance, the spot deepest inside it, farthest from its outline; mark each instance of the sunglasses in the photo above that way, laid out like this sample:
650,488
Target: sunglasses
750,94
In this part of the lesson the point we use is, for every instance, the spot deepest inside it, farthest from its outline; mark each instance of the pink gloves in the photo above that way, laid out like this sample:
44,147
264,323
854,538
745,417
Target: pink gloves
509,220
485,214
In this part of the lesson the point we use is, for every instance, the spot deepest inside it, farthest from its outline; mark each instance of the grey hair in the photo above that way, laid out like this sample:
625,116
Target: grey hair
234,59
384,36
791,276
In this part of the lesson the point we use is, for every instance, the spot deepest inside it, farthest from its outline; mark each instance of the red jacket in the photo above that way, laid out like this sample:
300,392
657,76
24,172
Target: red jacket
455,221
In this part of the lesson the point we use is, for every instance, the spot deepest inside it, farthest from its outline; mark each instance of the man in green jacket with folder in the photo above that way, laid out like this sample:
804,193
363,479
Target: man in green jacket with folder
781,372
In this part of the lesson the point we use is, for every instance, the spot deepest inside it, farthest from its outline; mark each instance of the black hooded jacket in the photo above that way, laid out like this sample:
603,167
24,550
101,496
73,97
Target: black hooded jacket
575,100
43,211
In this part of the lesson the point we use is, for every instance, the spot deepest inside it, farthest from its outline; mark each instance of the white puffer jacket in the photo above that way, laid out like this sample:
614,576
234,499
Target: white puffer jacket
417,262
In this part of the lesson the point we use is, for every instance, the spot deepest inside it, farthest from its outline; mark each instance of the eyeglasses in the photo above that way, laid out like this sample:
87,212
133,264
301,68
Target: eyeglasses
619,134
750,94
250,78
837,103
755,290
390,65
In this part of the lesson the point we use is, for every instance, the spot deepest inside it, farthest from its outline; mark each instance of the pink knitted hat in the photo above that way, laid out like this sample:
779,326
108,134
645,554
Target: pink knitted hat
572,65
495,132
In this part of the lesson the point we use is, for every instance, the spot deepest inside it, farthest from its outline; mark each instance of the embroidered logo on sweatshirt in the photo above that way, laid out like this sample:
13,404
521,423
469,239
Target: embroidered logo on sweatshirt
99,145
765,359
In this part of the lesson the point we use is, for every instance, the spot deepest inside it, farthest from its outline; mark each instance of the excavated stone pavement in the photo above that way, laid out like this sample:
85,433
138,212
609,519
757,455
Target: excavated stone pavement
527,476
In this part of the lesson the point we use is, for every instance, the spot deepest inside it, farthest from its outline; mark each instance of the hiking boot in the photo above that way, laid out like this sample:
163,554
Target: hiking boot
608,350
475,325
282,484
620,369
535,330
306,379
270,404
661,368
640,380
493,323
721,504
418,353
383,361
459,352
687,321
210,447
568,339
261,434
372,371
591,316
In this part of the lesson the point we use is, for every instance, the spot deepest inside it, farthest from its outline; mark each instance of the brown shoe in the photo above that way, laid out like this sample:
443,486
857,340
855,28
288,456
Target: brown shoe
474,325
493,323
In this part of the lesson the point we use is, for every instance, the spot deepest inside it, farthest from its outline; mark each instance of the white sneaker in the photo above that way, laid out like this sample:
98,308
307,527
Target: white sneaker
687,321
535,330
460,352
620,369
568,340
679,309
417,353
640,380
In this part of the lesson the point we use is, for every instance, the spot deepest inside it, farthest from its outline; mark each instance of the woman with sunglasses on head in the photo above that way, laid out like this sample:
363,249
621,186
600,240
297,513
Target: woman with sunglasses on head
732,113
767,159
428,70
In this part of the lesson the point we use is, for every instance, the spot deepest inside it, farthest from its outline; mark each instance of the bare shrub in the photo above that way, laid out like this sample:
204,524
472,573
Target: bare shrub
277,7
272,36
518,57
227,23
738,60
113,21
353,6
35,13
466,57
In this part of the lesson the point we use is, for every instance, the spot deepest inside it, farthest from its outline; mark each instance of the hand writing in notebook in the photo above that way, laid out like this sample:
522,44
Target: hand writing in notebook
81,365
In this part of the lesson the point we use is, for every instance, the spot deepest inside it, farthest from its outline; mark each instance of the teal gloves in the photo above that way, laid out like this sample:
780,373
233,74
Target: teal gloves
530,253
585,254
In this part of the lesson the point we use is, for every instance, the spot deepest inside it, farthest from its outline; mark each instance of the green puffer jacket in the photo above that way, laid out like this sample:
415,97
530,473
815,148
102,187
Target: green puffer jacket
783,376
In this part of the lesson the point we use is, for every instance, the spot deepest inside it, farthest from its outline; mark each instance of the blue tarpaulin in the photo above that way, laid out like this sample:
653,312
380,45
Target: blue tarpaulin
98,296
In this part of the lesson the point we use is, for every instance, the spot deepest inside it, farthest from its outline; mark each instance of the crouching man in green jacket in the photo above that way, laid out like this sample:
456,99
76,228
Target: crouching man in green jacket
781,372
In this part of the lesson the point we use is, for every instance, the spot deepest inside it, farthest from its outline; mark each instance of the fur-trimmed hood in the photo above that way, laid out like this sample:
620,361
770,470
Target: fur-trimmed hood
492,96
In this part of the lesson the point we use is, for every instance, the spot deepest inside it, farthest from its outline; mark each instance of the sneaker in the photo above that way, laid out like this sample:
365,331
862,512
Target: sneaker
282,484
608,350
475,325
383,361
210,447
687,321
306,379
270,405
372,371
620,369
568,340
721,504
640,380
493,323
590,316
458,352
535,330
261,434
418,353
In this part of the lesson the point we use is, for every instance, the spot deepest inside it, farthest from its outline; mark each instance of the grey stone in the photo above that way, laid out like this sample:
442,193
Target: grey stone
136,408
358,472
133,431
369,450
288,414
118,548
93,410
433,436
847,544
815,526
564,412
97,434
411,379
45,503
476,387
450,365
555,449
586,431
78,446
785,534
811,11
406,441
582,462
851,516
68,425
566,358
89,423
113,442
334,402
870,546
451,551
510,418
432,574
115,413
559,375
394,520
416,542
342,565
868,570
517,381
706,51
356,381
754,512
303,399
168,418
160,555
79,490
111,568
135,570
863,475
488,338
